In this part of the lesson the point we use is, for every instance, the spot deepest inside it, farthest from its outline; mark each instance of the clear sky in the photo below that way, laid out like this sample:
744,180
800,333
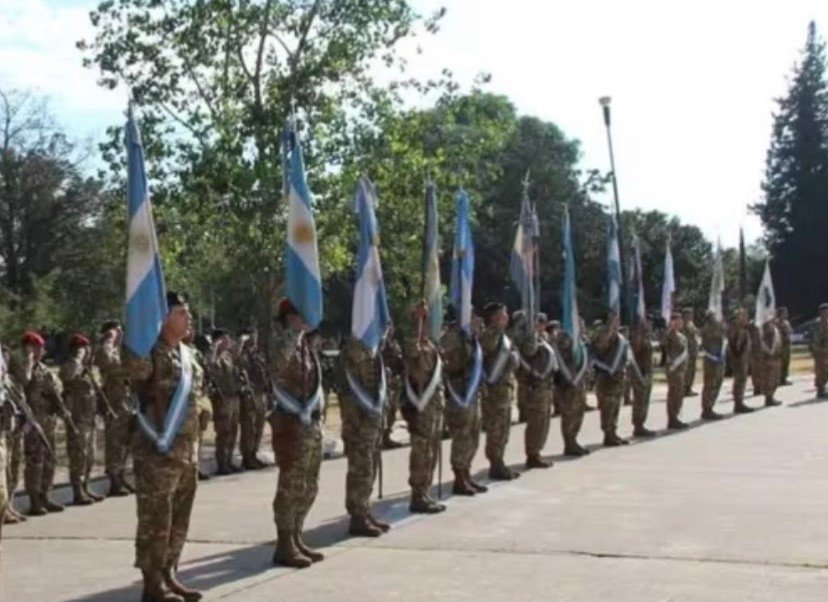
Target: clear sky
692,83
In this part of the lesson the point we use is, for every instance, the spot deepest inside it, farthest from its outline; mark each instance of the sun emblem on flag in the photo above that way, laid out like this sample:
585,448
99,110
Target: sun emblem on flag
140,242
303,233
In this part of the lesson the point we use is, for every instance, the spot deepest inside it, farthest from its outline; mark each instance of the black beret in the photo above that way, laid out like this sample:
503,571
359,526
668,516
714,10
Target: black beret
218,333
109,325
175,299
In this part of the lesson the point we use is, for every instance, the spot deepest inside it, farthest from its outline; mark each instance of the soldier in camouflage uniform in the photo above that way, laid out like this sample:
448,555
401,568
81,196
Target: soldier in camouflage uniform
297,435
609,357
43,394
755,359
677,357
392,355
770,347
462,413
6,426
500,362
254,399
713,338
538,365
641,375
785,331
423,411
224,374
361,406
165,480
118,428
739,353
819,349
691,334
570,391
201,346
83,403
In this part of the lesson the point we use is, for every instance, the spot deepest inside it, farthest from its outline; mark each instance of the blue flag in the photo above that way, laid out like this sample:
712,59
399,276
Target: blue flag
571,319
303,281
523,261
613,269
369,311
431,266
638,310
146,302
462,264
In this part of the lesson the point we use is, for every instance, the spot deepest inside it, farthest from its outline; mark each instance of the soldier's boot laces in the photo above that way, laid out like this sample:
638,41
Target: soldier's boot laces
36,507
478,487
155,590
93,496
535,461
287,554
51,505
361,526
304,549
461,486
80,497
381,525
500,472
176,587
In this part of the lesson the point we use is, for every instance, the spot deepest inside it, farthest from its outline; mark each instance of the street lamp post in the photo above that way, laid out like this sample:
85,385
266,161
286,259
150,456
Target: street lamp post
605,101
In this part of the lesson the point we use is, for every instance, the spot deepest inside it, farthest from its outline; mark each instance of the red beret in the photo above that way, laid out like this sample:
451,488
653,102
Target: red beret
30,337
285,308
78,340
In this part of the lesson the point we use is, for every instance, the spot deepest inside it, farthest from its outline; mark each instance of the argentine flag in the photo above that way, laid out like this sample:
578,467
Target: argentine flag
717,285
613,269
668,286
431,266
522,268
303,282
636,279
765,298
369,313
462,264
571,319
146,295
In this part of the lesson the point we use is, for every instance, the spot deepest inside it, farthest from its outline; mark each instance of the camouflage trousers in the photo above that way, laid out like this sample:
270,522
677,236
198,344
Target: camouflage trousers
361,434
641,399
425,444
4,493
820,372
739,367
165,489
80,446
785,368
676,389
713,377
756,373
298,450
226,424
522,390
14,460
690,374
39,473
537,405
393,403
464,428
496,410
771,371
117,440
572,400
609,391
251,421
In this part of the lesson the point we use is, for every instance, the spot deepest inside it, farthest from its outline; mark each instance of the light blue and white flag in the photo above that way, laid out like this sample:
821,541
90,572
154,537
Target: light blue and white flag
668,286
523,260
369,311
717,285
638,309
432,287
462,264
765,298
571,319
613,269
303,282
146,295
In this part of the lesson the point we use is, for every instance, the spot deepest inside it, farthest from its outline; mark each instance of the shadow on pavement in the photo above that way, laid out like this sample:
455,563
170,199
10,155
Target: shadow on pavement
805,402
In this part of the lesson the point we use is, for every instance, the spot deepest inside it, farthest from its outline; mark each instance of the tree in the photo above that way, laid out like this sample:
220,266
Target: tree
794,210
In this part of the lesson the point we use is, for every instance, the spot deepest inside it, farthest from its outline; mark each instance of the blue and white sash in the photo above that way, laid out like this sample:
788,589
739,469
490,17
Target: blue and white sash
504,354
679,361
177,410
620,354
474,380
579,376
301,409
421,401
636,369
717,358
363,397
549,367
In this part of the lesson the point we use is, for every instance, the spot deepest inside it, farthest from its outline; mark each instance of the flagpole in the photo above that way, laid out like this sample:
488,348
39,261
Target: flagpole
605,101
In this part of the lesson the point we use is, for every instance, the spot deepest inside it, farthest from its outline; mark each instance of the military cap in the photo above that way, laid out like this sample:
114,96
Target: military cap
33,338
175,299
79,340
109,325
285,308
542,318
217,333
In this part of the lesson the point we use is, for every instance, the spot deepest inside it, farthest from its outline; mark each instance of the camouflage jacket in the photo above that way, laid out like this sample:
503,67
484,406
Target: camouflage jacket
819,339
713,337
770,343
77,378
420,363
252,364
457,353
674,346
641,344
785,331
691,334
392,355
491,340
44,392
362,366
113,375
738,341
604,346
294,368
224,373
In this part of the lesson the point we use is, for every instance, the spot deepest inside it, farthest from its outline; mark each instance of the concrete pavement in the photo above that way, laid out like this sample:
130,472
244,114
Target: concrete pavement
734,510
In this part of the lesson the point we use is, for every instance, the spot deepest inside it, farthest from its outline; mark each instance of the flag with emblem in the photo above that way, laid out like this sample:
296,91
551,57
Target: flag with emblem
462,264
524,258
638,309
571,319
668,285
765,298
717,285
146,303
369,311
303,283
613,269
432,287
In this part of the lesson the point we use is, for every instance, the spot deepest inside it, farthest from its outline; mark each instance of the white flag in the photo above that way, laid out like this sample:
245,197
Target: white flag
668,287
717,286
765,298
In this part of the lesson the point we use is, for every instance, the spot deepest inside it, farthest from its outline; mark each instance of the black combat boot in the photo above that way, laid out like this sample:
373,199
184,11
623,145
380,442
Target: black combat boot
305,549
80,497
498,471
461,486
155,590
116,486
535,461
711,415
644,432
361,526
176,587
36,506
286,552
93,496
381,525
51,505
478,487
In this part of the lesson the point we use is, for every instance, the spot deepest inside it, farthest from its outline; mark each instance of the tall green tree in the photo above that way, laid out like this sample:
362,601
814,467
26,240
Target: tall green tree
794,210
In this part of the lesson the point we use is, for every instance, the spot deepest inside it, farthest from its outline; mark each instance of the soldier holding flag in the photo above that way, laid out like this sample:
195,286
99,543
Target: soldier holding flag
768,338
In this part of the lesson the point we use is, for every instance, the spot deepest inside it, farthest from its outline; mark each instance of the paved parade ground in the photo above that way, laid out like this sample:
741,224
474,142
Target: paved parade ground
734,511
